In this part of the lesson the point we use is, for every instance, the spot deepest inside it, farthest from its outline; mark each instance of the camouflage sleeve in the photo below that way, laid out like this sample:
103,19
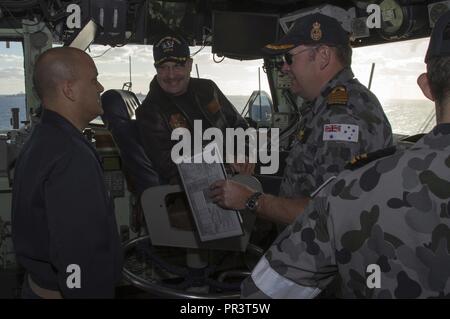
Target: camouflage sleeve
330,159
329,139
332,155
301,261
310,164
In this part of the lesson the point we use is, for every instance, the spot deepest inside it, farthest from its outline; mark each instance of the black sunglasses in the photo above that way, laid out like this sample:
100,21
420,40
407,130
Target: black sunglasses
288,56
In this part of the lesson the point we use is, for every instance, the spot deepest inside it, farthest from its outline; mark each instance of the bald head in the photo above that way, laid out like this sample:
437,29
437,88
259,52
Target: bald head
66,82
55,66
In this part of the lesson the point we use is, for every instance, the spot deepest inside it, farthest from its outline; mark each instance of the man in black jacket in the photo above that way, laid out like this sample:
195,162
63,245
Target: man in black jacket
63,224
175,100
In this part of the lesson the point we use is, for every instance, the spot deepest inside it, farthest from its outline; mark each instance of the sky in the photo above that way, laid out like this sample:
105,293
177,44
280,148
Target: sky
397,66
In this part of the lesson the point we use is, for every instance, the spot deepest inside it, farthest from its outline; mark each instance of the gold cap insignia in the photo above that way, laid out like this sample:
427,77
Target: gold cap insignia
339,95
316,32
280,46
301,135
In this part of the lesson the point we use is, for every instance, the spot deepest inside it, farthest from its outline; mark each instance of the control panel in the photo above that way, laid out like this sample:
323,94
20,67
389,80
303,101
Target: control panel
283,81
113,176
281,120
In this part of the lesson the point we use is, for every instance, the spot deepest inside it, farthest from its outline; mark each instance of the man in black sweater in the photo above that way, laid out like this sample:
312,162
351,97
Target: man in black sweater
63,224
176,100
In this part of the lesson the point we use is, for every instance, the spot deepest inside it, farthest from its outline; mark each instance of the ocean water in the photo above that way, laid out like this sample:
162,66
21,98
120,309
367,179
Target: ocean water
410,117
406,116
10,101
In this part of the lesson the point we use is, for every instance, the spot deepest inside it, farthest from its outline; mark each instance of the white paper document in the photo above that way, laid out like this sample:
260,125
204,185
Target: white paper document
212,221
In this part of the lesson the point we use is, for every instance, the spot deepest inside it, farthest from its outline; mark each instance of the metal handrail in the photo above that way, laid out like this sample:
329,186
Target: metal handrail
167,292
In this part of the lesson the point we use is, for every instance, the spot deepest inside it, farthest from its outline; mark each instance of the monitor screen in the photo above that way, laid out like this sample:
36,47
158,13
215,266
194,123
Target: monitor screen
111,163
242,35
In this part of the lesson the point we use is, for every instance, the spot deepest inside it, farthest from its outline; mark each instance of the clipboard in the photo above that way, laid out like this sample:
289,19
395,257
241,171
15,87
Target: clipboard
212,222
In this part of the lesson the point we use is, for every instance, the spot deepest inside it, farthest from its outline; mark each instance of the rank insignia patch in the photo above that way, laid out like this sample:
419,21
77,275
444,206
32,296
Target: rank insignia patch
339,95
363,159
301,135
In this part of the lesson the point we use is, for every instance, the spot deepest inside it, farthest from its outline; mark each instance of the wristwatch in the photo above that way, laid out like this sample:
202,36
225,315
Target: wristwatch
252,202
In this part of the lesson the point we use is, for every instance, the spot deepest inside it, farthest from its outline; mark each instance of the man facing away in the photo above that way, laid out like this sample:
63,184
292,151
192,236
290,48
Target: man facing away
63,223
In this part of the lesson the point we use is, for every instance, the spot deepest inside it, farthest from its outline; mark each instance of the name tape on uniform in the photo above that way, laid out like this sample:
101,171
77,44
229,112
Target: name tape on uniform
340,132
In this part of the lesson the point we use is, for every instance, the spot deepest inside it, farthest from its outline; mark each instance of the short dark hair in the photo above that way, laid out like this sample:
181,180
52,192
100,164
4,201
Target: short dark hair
344,54
438,70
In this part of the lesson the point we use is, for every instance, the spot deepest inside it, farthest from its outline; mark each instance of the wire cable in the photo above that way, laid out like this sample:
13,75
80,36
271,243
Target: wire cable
198,51
99,56
214,59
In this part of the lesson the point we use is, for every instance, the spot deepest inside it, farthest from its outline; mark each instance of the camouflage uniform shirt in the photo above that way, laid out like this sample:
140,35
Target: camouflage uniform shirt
326,142
392,214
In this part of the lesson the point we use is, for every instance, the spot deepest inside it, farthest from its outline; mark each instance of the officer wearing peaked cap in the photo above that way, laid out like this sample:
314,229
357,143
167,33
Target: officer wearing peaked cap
383,229
344,119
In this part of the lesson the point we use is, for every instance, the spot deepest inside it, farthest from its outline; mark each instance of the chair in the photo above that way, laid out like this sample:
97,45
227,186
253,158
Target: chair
119,117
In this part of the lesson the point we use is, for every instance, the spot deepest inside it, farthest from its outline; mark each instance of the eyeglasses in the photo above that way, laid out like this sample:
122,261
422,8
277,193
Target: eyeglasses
288,56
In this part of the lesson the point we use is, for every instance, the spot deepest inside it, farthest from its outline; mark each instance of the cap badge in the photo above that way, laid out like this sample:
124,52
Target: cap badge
167,43
316,32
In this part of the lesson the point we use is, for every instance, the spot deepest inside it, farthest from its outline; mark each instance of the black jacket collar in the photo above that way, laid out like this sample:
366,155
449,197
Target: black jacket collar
54,119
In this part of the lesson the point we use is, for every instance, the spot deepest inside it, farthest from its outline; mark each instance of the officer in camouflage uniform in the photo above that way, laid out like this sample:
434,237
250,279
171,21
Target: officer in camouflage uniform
384,229
337,128
345,119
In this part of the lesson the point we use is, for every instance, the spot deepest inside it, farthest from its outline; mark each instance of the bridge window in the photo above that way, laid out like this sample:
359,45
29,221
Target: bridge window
397,66
236,79
12,83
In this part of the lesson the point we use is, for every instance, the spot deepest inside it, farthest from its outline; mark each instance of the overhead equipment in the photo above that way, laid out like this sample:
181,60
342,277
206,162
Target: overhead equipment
245,36
435,10
399,21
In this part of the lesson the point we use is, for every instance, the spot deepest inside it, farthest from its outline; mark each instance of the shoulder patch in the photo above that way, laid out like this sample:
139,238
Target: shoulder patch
341,132
177,120
303,134
338,96
213,106
363,159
